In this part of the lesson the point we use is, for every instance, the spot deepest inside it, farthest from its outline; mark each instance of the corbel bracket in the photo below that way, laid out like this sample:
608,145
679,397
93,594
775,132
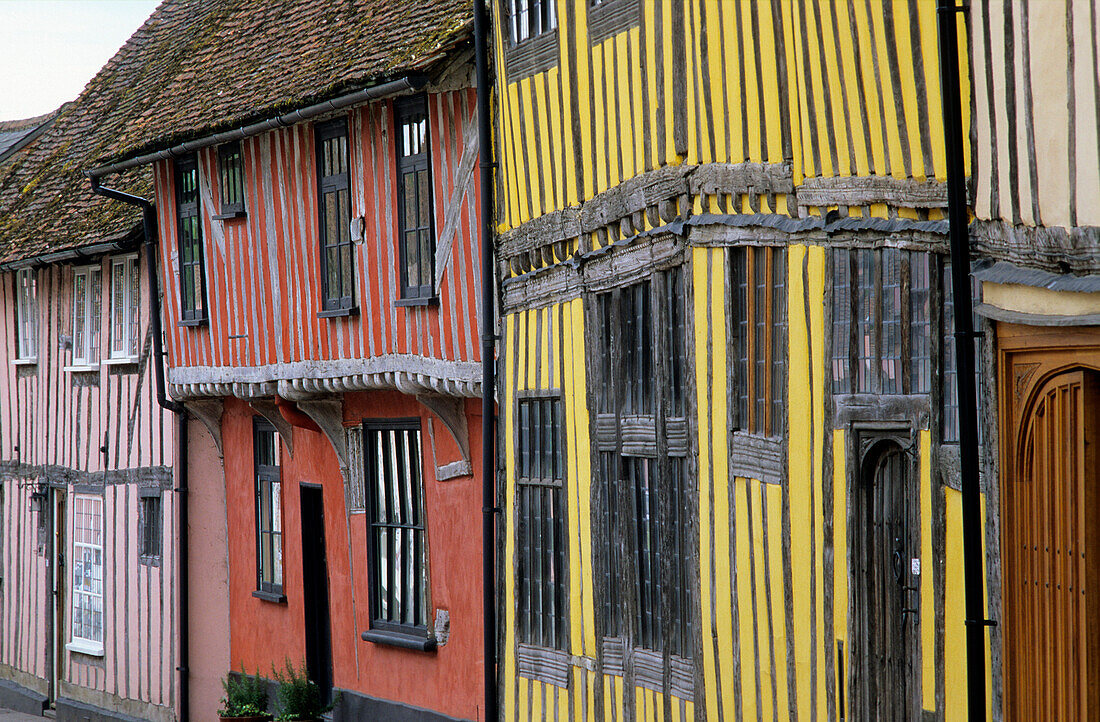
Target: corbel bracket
450,412
329,415
209,412
268,409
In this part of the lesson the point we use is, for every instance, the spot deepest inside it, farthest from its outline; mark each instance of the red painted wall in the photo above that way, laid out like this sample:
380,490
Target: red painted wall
264,633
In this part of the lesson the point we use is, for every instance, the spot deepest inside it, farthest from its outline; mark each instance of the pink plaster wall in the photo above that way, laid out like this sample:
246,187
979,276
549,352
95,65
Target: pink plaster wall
209,577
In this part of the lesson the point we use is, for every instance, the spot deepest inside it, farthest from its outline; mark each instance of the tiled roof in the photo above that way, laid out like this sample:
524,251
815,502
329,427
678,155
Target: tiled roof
13,131
196,67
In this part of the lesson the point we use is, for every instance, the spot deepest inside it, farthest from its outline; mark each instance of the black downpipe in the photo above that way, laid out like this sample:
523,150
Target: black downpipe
957,213
488,363
149,228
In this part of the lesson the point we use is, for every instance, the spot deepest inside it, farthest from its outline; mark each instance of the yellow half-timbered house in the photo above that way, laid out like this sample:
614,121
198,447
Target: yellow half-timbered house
729,442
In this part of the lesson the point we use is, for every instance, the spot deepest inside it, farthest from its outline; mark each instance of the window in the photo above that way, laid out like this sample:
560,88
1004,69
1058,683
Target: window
643,492
87,562
192,265
414,200
26,314
125,308
541,542
758,281
150,523
337,278
531,18
398,570
269,510
231,180
87,291
877,296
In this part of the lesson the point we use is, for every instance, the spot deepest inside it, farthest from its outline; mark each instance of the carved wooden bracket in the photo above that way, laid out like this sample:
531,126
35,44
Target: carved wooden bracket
268,409
450,412
209,412
329,415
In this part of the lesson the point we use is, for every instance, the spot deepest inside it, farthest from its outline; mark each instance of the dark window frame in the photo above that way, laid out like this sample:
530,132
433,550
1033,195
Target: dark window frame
230,181
759,333
406,112
193,308
882,321
542,554
410,516
534,53
150,527
268,483
641,440
339,301
607,18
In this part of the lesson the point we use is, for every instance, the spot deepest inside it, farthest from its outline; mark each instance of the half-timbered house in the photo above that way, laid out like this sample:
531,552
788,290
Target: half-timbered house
316,211
89,562
730,451
1036,229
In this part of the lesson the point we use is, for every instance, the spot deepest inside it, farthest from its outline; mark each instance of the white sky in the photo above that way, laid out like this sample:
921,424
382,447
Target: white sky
49,49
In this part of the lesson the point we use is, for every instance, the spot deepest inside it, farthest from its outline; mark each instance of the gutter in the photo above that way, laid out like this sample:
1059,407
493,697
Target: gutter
489,508
408,83
75,254
959,236
149,228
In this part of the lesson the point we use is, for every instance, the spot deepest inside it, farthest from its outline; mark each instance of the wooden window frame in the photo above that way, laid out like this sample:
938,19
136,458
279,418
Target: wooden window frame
338,301
87,318
532,53
87,589
644,425
26,315
865,306
192,261
269,513
949,432
403,475
125,311
150,527
541,531
230,181
406,113
607,18
759,333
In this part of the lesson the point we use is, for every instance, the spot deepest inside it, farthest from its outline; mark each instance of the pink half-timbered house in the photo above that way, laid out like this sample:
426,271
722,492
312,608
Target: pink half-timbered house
317,221
88,556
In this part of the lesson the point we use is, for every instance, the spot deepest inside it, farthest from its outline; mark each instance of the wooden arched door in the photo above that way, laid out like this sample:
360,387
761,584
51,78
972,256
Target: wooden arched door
1050,544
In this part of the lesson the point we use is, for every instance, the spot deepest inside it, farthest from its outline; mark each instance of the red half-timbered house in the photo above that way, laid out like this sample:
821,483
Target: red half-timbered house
316,203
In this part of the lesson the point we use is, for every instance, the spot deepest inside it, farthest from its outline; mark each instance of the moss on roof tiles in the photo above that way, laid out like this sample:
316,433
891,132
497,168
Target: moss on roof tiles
195,67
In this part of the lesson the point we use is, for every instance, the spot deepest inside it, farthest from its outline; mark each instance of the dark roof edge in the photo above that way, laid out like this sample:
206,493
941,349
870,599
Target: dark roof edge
126,242
30,136
1005,272
411,82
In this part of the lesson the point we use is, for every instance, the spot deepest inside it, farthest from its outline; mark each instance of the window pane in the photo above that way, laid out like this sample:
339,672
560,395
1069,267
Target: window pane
842,314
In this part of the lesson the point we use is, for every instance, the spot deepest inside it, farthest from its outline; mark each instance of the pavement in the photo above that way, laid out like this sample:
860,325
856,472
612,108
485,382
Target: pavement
7,715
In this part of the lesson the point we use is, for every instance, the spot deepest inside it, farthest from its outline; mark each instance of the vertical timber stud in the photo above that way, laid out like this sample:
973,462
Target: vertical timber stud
488,362
973,557
149,230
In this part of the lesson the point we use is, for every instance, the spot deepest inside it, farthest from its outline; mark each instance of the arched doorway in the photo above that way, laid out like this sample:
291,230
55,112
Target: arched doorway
884,604
1050,544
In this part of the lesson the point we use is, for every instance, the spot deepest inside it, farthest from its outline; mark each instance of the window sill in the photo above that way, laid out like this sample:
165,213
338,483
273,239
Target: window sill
24,361
121,361
193,322
273,597
338,312
425,301
229,215
80,368
419,641
92,649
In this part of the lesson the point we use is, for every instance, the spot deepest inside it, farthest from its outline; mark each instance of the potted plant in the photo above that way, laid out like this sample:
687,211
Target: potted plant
245,698
298,697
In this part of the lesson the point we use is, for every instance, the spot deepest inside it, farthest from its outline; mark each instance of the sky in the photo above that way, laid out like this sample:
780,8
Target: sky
49,49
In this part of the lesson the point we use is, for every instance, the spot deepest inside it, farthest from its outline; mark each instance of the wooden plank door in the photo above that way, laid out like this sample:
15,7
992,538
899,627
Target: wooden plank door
1050,513
884,614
